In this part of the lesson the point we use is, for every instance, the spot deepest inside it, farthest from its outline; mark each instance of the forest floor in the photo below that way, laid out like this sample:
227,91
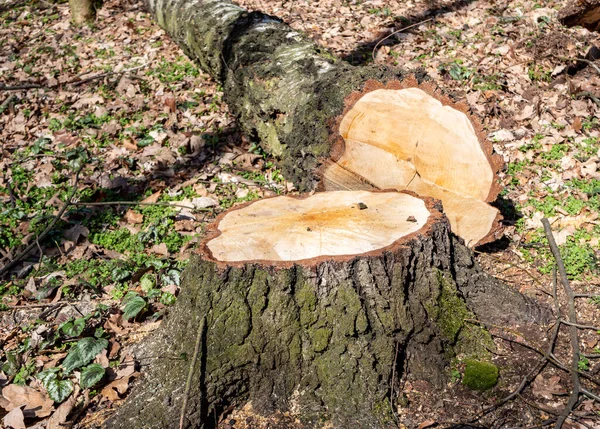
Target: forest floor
116,150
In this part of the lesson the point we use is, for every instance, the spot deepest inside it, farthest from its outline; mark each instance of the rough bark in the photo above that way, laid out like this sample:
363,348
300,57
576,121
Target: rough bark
326,338
82,11
284,90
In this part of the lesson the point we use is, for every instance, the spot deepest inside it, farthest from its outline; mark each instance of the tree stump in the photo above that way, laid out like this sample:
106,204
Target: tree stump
318,305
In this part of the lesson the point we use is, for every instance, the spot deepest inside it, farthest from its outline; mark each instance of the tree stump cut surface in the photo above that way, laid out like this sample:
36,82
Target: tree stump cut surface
415,139
319,226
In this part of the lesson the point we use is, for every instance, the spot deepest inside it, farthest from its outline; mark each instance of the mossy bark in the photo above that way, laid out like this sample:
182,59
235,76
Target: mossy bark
284,90
327,342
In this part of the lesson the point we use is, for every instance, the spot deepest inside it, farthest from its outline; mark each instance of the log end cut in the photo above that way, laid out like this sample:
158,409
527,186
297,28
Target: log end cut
407,136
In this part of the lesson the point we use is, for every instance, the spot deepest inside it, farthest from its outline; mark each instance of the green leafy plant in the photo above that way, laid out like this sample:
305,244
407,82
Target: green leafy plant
73,328
83,353
133,305
58,389
90,375
583,364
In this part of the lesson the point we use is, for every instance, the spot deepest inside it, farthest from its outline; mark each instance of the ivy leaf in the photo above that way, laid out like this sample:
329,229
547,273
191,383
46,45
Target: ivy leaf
73,328
58,390
91,375
83,352
172,277
120,274
12,364
147,282
133,305
48,375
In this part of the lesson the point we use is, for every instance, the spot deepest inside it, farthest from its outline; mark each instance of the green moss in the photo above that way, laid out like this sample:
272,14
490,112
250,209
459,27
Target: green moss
320,339
347,305
452,311
451,314
307,301
362,322
480,375
383,411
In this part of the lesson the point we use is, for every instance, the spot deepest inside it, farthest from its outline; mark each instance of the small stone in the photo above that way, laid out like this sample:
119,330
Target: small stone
411,219
362,206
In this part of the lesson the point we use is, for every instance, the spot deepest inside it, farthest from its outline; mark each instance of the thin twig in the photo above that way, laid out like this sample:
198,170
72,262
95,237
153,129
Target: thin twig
45,232
20,87
140,203
36,305
590,395
78,81
578,326
396,32
188,382
7,102
529,377
573,333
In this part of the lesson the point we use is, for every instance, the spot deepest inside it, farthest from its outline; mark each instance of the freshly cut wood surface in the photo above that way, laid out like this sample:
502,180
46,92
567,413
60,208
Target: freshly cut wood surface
406,139
324,224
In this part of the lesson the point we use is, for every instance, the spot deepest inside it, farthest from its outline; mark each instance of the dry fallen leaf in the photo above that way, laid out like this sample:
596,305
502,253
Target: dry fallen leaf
170,103
134,217
14,419
546,388
37,404
577,124
160,249
116,388
152,198
426,424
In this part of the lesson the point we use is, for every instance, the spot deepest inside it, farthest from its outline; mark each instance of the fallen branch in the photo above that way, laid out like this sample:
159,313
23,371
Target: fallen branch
140,203
78,81
35,305
573,333
578,326
20,87
396,32
75,82
588,95
582,60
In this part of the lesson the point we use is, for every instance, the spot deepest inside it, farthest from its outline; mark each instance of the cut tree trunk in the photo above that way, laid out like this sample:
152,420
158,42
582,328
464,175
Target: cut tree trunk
584,12
319,305
82,11
334,126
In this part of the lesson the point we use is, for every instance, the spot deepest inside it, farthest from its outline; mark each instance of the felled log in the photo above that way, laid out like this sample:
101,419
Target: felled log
583,12
334,126
319,305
